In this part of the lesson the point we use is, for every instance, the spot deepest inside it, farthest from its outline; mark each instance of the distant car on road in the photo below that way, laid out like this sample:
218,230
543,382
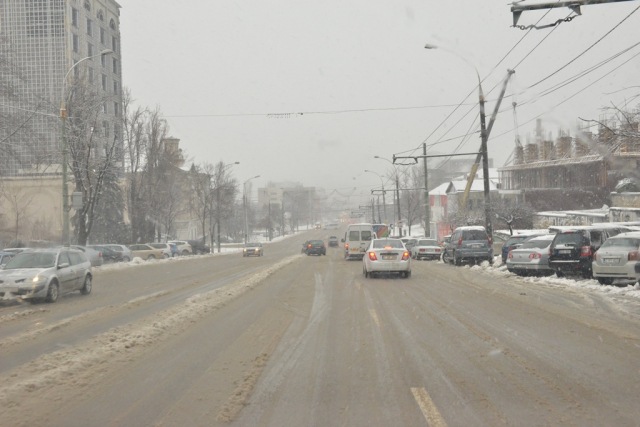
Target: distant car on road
333,241
45,274
532,257
146,252
304,247
93,255
316,247
108,254
513,241
252,249
426,249
165,247
386,256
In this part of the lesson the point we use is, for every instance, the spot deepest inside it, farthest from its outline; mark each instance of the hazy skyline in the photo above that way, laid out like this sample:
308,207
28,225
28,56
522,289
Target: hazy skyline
232,78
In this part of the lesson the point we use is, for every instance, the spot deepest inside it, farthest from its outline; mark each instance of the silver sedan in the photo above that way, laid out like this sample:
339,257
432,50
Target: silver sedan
618,258
426,249
386,256
531,257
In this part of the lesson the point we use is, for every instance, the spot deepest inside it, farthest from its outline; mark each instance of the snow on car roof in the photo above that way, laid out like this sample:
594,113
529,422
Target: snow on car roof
471,227
544,237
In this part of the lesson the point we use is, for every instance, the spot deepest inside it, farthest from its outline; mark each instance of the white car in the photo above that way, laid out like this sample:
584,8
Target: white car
166,248
386,256
357,239
426,249
184,248
618,258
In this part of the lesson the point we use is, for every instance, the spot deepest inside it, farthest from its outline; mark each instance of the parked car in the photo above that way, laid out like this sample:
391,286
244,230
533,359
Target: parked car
618,258
445,240
146,252
304,247
94,256
184,248
316,247
199,247
468,244
571,252
532,257
5,257
386,256
514,240
409,242
253,249
126,252
333,241
174,249
165,247
17,250
108,254
45,274
426,249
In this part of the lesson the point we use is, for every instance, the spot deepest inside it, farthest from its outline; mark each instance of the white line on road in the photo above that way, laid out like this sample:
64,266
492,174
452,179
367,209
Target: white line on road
375,316
428,408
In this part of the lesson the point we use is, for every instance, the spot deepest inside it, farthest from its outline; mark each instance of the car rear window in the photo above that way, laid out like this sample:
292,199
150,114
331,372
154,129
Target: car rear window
568,239
474,235
514,239
317,242
535,244
395,244
626,242
428,243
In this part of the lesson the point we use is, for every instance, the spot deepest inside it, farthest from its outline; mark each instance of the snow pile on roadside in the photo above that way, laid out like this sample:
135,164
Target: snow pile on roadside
72,370
139,261
21,314
499,269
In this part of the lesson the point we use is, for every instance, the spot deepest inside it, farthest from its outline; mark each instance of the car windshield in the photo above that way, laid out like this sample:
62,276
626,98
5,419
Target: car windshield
387,243
627,242
158,245
32,260
252,245
427,243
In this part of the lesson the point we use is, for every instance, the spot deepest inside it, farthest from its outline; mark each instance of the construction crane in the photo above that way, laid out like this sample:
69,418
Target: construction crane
517,8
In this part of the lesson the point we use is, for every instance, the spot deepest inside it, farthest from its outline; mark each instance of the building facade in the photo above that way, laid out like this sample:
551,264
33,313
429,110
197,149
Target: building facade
40,41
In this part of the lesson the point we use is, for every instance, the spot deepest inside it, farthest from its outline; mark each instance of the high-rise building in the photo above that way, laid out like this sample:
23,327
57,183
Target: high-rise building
40,40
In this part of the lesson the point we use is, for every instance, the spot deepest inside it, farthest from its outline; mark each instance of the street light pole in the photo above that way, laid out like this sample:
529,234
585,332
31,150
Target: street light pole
384,201
427,201
244,205
66,240
397,190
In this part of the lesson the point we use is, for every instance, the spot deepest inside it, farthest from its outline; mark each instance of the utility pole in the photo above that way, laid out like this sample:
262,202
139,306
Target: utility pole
398,201
270,220
427,201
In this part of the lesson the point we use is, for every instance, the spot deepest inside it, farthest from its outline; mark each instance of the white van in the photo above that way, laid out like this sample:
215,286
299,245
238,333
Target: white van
332,226
356,240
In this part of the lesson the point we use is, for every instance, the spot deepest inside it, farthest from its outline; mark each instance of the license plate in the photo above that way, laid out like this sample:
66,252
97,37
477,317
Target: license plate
611,261
476,246
388,257
564,251
355,249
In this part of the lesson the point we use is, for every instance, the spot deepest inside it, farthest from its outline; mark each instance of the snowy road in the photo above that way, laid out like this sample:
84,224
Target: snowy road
290,340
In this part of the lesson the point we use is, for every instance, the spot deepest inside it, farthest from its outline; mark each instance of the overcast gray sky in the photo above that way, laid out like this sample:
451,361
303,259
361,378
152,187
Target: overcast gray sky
218,68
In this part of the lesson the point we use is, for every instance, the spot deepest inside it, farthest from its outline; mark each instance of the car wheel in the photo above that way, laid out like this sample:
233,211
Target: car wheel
365,272
456,261
126,259
151,257
185,252
52,293
605,280
166,256
86,289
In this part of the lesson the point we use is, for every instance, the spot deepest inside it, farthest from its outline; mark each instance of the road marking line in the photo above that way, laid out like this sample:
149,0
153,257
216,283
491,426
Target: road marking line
428,408
375,316
359,285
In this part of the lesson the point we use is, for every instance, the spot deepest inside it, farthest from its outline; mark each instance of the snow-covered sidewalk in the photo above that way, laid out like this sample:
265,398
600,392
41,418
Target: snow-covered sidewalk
500,270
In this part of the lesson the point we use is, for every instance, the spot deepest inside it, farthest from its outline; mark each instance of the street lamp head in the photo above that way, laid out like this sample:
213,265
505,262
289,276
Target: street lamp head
106,52
376,157
430,46
236,163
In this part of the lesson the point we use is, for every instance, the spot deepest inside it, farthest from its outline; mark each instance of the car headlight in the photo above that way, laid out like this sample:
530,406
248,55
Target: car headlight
38,279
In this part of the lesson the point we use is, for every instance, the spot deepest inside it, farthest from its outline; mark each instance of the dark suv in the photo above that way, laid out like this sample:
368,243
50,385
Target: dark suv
571,252
333,241
316,247
199,247
468,244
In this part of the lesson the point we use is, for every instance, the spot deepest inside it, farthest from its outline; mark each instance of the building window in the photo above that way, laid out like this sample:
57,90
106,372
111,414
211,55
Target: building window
75,17
116,109
105,128
104,82
116,132
114,43
90,74
87,5
76,43
112,24
115,66
101,16
105,108
90,51
115,87
103,60
89,27
103,36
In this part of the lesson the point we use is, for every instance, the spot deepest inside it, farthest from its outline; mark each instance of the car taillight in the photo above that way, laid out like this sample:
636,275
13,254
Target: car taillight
489,239
534,256
586,251
99,254
372,256
324,246
422,250
309,246
437,249
510,256
405,256
346,246
460,241
634,256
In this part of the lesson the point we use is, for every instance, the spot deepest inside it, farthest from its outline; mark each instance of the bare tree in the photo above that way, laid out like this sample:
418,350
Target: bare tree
512,214
19,213
224,189
201,194
411,198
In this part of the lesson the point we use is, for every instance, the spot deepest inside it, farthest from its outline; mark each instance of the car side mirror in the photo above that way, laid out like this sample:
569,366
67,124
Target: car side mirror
342,240
63,265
